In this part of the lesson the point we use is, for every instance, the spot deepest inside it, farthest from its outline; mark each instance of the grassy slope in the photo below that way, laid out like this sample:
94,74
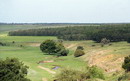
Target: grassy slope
109,58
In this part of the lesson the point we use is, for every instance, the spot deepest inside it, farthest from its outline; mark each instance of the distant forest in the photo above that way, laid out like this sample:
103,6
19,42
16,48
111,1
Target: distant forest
113,32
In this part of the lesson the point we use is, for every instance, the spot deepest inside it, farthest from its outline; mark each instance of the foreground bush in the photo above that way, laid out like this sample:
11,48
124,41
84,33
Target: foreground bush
96,72
13,70
71,75
89,74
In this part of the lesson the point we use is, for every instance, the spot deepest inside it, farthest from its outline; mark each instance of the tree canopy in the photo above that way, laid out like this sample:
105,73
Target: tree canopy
13,70
113,32
52,47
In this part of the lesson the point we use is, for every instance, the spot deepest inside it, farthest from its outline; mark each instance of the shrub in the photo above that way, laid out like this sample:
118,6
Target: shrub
126,64
2,44
90,73
78,53
80,47
71,75
96,72
52,47
124,77
105,41
12,70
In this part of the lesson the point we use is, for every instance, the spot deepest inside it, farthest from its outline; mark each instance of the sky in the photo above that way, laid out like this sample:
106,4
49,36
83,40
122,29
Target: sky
65,11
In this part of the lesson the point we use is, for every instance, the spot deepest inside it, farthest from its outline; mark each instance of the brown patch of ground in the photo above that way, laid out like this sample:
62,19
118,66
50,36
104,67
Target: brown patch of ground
70,46
50,61
34,44
108,62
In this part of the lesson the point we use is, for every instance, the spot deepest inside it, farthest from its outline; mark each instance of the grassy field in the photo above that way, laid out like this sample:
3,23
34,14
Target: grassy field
30,54
109,58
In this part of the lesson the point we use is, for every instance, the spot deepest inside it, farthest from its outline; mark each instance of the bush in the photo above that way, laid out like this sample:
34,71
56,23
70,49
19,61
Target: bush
12,70
71,75
2,44
96,72
80,47
105,41
79,53
52,47
126,64
90,73
124,77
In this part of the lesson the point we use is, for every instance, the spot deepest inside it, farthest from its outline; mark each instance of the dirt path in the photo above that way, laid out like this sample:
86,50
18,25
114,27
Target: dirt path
48,70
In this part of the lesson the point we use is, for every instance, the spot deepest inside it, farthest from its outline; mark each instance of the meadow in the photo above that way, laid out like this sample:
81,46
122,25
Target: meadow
109,58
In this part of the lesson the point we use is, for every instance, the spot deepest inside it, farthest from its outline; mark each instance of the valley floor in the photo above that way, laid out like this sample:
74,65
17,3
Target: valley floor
109,58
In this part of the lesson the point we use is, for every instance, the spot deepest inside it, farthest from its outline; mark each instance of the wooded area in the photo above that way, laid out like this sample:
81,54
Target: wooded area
113,32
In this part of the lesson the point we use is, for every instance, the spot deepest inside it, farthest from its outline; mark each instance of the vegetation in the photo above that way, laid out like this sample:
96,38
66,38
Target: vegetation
96,72
75,75
113,32
13,70
52,47
128,40
126,64
2,44
79,51
110,61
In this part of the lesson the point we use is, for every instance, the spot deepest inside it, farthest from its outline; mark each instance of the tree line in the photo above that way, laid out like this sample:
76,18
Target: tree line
113,32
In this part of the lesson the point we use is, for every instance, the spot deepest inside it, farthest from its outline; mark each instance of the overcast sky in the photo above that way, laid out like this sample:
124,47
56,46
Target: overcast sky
65,11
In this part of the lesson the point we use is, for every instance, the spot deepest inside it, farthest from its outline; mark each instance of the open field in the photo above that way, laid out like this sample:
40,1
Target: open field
30,54
109,58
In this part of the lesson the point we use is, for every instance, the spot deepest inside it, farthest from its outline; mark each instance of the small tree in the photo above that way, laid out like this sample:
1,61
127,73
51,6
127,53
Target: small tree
52,47
126,64
104,41
12,70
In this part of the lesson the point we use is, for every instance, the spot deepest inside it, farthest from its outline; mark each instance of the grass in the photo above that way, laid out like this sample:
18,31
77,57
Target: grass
30,54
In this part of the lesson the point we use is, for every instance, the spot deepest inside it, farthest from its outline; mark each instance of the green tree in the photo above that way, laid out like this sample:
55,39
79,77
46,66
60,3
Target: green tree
52,47
126,64
13,70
